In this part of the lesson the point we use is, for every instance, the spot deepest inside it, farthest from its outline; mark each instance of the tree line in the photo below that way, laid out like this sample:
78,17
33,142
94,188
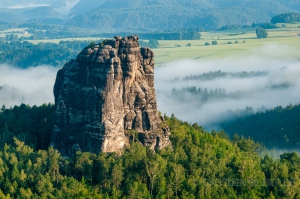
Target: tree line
211,75
172,35
286,18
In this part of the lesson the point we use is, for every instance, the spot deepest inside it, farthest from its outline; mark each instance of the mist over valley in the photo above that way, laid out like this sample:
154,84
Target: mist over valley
211,91
32,86
206,92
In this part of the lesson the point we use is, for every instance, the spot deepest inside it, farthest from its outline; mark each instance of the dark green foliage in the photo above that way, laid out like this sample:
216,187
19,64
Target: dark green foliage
206,43
264,25
211,75
278,127
214,43
171,35
32,125
198,94
25,54
75,45
261,33
154,43
286,18
167,35
198,165
11,37
231,27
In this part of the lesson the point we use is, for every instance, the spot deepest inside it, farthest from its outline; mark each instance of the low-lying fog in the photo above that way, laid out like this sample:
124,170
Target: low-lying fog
201,91
32,86
204,91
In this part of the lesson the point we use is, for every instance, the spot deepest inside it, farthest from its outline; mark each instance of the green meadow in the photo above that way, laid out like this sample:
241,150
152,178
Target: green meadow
229,43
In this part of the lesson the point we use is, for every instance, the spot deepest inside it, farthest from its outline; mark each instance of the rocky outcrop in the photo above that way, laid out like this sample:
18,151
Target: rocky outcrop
106,96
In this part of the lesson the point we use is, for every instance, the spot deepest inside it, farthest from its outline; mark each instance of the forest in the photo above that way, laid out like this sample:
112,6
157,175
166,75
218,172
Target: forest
178,34
43,30
209,15
25,54
286,18
199,164
277,128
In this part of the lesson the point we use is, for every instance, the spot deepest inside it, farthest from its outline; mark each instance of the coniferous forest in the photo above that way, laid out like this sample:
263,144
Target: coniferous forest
199,164
276,128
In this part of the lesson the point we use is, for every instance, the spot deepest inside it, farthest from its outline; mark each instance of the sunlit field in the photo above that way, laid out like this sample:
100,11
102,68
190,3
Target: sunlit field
228,43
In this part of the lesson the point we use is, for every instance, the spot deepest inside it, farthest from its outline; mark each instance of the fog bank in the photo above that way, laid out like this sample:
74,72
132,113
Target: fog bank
213,97
195,91
31,86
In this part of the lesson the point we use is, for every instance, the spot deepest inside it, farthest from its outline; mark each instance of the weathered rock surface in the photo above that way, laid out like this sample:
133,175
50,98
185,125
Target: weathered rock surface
106,95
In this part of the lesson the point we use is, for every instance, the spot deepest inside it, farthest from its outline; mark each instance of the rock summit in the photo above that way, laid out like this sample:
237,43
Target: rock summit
106,97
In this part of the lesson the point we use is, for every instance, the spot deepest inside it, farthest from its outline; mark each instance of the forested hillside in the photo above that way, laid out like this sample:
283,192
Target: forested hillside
198,165
278,127
121,15
25,54
144,16
286,18
24,14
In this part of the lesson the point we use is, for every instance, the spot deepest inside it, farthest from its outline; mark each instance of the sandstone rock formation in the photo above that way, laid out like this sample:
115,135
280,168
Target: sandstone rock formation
105,96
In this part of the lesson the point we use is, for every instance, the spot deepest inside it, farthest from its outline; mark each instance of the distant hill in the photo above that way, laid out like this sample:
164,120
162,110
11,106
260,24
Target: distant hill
23,14
286,18
85,6
62,6
110,16
137,15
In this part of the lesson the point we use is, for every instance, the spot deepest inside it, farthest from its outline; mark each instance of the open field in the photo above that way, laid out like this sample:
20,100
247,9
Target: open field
241,43
16,31
13,30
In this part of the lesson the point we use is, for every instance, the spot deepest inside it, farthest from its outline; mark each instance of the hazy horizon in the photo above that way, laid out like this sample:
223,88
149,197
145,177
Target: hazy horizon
62,6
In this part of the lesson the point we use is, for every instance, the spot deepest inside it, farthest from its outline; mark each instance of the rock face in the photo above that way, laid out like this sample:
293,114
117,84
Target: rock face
106,96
